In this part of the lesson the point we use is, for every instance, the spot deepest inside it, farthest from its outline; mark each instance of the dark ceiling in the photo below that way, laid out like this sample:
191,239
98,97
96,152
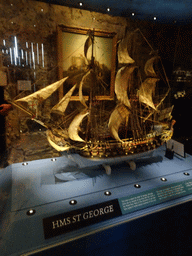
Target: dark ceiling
166,11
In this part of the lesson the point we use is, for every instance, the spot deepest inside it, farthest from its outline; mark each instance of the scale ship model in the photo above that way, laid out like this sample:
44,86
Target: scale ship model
132,124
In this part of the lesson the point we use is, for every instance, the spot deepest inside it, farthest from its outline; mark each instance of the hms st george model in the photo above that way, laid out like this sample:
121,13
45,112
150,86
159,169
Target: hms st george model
130,126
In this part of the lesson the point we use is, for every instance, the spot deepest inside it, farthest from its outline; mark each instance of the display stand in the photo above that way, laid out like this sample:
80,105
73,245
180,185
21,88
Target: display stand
51,203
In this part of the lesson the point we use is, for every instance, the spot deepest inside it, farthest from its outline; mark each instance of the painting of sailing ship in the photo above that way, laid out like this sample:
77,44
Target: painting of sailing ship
74,62
108,110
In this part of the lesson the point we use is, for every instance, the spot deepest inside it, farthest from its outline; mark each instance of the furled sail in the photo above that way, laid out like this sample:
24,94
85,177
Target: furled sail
149,69
146,92
62,105
118,116
165,114
83,83
52,139
88,43
74,126
122,83
123,55
43,93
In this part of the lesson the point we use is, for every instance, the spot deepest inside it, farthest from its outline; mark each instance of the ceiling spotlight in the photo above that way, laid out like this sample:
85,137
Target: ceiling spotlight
155,18
108,9
133,14
80,4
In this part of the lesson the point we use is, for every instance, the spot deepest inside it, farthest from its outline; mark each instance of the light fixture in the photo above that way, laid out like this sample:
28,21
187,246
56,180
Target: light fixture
31,212
108,9
137,186
155,18
107,193
80,4
186,173
163,179
53,159
133,14
73,202
24,164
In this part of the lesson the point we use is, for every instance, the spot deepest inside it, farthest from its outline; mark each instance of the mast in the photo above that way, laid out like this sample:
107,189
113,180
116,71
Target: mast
91,119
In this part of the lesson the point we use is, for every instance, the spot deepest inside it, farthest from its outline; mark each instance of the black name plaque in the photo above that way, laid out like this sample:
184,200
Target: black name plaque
66,222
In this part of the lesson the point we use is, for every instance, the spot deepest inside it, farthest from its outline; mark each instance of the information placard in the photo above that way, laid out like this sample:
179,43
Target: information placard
155,196
66,222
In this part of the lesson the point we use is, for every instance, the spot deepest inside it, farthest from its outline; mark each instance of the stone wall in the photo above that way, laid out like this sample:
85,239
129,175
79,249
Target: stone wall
33,24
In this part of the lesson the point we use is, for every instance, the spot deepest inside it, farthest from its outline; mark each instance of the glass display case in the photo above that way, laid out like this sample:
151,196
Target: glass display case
53,202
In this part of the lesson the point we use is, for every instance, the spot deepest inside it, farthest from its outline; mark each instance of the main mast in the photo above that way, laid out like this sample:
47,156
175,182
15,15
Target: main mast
91,119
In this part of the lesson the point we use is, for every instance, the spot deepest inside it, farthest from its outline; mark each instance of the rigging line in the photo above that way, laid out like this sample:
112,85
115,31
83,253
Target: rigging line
68,117
152,120
164,79
100,49
139,76
21,108
19,95
101,56
34,83
161,101
126,125
103,83
73,52
132,127
145,39
165,74
29,113
61,127
176,45
141,123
